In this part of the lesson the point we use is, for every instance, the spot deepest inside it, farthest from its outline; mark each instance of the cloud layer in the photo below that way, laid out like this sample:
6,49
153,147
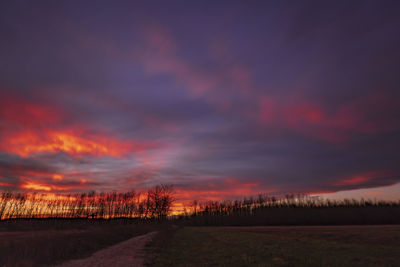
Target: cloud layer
222,100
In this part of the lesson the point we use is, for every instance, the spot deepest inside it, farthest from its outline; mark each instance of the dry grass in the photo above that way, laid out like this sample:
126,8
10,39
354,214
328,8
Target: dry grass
20,246
283,246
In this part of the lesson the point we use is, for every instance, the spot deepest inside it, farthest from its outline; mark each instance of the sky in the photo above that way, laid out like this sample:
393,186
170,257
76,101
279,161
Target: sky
222,99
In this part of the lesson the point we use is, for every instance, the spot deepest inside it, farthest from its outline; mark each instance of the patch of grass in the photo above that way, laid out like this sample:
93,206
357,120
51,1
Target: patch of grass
213,246
159,243
48,247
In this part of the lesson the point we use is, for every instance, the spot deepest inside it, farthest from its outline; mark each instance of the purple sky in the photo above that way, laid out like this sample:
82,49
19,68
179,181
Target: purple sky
220,98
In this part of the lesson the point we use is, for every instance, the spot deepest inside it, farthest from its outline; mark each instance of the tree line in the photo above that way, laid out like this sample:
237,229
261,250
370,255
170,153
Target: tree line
292,210
155,203
253,205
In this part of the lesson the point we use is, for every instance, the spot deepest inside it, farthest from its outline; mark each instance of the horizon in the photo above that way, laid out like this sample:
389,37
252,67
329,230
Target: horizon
223,100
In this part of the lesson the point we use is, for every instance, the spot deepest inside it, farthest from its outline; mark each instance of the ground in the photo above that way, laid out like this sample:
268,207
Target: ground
127,253
89,243
51,242
284,246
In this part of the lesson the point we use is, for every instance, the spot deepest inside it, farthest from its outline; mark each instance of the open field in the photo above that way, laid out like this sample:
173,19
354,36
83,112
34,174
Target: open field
284,246
66,242
49,242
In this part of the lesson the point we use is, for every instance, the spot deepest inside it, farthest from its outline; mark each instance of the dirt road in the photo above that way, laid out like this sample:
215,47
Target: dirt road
128,253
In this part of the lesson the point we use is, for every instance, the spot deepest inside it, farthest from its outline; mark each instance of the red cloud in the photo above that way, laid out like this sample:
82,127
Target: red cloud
368,179
292,112
356,180
360,178
311,119
32,128
5,184
304,113
267,109
161,57
20,112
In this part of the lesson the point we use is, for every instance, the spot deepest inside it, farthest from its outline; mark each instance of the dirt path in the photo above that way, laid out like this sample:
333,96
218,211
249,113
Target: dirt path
128,253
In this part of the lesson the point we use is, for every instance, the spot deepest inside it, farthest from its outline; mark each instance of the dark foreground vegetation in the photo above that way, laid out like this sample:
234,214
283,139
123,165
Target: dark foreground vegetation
352,215
41,242
38,242
40,229
293,210
157,203
283,246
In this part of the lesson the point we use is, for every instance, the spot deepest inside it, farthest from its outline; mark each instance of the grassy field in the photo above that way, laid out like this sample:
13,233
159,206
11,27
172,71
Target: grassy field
48,242
283,246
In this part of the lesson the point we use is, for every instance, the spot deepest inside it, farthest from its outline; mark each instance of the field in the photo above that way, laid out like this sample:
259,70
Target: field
49,242
284,246
111,242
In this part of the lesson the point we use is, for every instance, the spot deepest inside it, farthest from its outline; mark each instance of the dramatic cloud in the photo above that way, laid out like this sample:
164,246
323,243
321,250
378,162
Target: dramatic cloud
222,102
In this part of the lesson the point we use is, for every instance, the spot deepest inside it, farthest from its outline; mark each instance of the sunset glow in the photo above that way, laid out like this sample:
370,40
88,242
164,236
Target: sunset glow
231,102
200,133
35,186
27,144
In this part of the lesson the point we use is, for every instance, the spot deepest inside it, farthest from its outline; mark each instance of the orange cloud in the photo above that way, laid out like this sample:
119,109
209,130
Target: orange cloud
57,177
35,186
41,186
33,128
27,143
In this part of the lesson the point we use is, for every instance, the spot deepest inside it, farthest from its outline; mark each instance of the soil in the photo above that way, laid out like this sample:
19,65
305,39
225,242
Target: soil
128,253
